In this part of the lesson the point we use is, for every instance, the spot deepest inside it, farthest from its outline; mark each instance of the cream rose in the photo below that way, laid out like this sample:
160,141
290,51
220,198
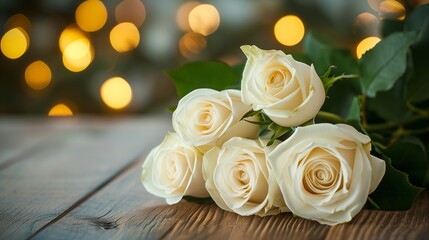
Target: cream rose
326,172
238,178
288,91
174,169
206,117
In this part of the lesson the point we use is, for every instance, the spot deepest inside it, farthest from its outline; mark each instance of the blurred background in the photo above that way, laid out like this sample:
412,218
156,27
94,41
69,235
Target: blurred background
62,58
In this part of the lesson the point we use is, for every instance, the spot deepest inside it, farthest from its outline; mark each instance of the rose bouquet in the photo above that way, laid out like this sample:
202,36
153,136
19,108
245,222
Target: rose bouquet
261,139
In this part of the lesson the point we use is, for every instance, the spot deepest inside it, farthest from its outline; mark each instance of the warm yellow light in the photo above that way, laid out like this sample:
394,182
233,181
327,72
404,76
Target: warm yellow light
204,19
124,37
182,15
38,75
132,11
91,15
365,19
191,44
365,45
60,110
392,9
78,55
14,43
289,30
18,20
116,93
70,34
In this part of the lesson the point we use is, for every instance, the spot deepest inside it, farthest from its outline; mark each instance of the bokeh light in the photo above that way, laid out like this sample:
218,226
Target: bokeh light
69,34
191,44
204,19
18,20
182,15
132,11
116,93
289,30
91,15
38,75
78,55
124,37
15,43
392,9
365,45
60,110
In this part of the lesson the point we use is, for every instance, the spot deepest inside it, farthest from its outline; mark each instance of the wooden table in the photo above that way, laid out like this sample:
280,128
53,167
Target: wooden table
79,178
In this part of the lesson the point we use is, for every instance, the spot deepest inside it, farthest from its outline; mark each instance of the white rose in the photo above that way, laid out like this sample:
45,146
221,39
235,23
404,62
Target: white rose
289,92
174,169
238,178
325,172
206,117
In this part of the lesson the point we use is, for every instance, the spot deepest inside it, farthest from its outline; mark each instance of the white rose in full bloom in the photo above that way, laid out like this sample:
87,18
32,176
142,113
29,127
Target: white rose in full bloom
238,178
326,171
288,91
174,169
206,117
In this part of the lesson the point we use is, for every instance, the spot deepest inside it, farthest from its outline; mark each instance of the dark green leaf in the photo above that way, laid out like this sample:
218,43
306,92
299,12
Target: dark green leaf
390,105
382,66
389,26
277,131
418,85
417,18
409,156
251,113
328,81
354,110
198,200
394,192
323,55
205,74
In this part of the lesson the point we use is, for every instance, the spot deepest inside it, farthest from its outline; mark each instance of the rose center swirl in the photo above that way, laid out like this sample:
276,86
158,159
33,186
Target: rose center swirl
321,175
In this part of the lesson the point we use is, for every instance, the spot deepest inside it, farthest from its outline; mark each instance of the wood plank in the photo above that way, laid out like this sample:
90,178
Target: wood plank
19,136
411,224
124,210
36,190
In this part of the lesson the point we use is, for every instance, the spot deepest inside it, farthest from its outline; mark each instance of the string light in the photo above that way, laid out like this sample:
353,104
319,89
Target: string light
116,93
14,43
124,37
38,75
204,19
365,45
91,15
60,110
192,44
289,30
182,15
132,11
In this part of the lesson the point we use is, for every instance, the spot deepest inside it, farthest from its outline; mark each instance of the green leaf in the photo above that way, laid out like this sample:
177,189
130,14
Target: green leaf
394,192
278,131
416,20
204,74
328,81
381,66
198,200
418,85
354,115
390,105
251,113
323,55
409,156
389,26
172,108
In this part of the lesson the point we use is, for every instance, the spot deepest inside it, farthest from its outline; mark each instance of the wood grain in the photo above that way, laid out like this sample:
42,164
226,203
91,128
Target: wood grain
48,182
82,181
124,210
